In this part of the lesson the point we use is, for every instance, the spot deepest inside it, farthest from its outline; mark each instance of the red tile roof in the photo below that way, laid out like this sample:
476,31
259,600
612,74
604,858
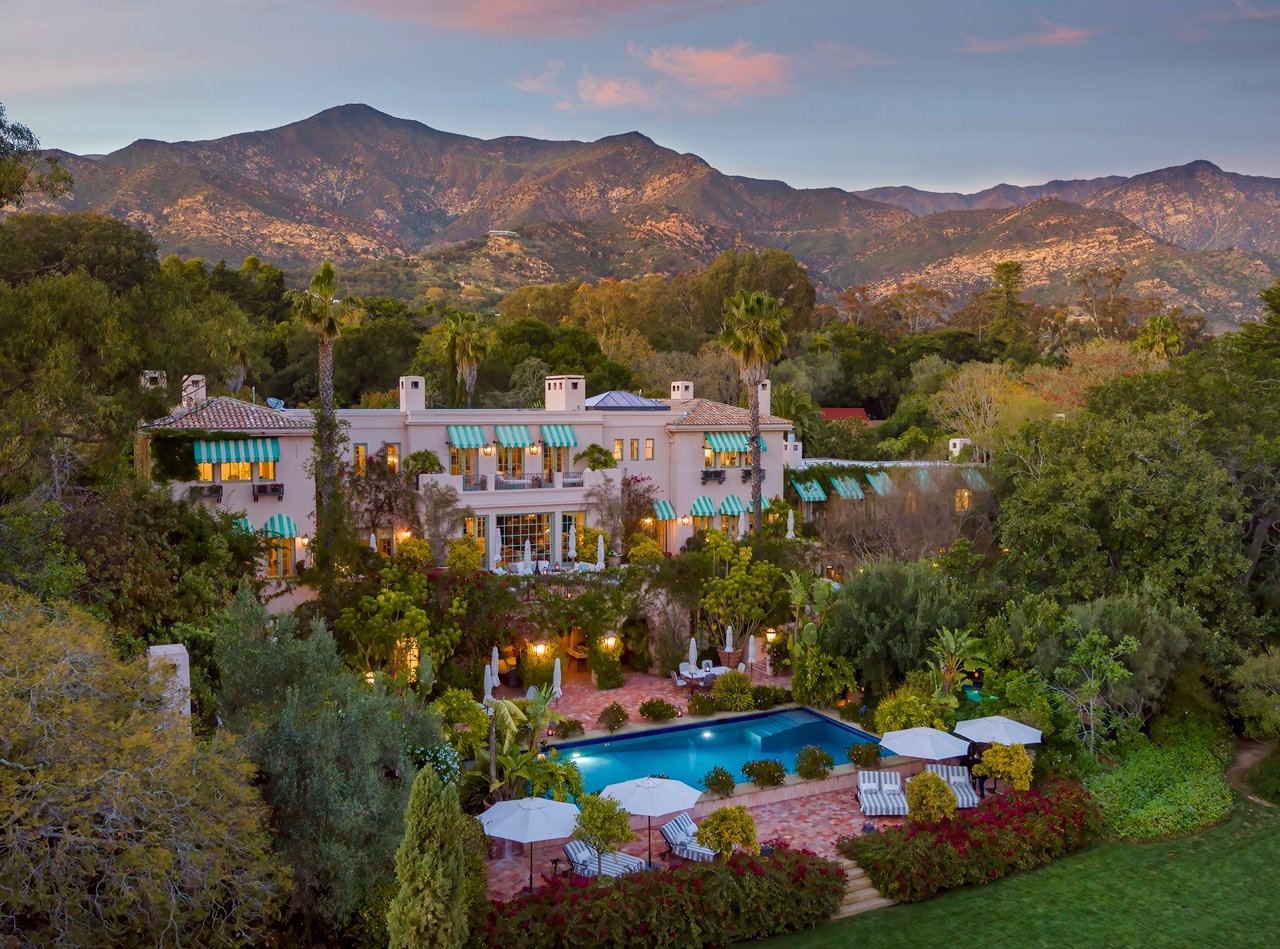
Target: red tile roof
859,413
225,414
703,413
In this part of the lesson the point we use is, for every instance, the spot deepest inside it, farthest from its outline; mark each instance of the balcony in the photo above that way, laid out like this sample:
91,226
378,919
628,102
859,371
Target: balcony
208,492
713,474
275,490
571,479
501,483
475,482
746,475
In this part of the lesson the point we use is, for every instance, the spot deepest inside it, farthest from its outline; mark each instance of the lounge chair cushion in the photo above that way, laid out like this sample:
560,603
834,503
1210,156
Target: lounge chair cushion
681,836
582,858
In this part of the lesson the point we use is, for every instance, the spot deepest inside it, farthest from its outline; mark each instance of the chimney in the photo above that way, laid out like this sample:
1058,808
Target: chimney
193,390
565,393
766,396
153,379
413,393
681,391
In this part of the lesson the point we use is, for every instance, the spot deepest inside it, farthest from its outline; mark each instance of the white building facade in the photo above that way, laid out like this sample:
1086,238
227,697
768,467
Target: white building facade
512,468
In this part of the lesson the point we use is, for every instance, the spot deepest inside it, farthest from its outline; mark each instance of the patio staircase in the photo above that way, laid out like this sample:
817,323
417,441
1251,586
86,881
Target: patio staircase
861,896
780,731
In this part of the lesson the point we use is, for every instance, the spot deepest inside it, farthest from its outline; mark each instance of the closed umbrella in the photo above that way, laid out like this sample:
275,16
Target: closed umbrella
373,541
928,744
573,540
495,553
528,821
998,730
528,553
751,653
728,639
693,653
791,525
555,679
600,552
742,526
652,797
488,680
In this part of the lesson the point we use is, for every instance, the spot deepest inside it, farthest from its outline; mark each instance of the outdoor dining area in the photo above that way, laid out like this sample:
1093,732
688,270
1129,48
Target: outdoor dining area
704,675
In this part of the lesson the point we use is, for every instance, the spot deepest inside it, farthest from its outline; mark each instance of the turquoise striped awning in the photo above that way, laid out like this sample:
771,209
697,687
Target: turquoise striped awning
732,505
765,502
465,436
663,511
848,488
237,449
242,525
809,490
882,483
727,441
513,436
559,436
703,507
280,525
975,480
923,478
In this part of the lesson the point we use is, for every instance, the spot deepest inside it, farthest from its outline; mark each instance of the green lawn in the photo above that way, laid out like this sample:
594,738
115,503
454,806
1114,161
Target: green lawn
1220,889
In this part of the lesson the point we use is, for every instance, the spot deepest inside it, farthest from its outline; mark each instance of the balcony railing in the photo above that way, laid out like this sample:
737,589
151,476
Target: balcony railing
275,490
475,482
713,474
502,483
212,492
572,479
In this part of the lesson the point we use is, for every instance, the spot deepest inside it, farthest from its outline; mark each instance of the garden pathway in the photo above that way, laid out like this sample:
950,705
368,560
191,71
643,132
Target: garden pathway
1248,753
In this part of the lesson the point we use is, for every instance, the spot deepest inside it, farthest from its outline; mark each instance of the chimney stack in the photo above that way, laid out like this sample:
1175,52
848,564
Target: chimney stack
413,393
766,397
194,390
681,391
565,393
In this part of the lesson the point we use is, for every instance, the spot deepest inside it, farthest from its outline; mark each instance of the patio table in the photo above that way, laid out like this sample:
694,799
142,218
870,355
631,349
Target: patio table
698,675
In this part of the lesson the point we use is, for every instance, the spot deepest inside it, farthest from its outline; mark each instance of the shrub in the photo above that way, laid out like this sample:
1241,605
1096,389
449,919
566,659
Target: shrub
780,654
864,754
607,665
906,707
1003,835
1264,779
720,782
733,692
465,723
851,712
744,898
658,710
1008,763
613,717
770,696
643,549
429,904
728,829
930,799
1162,792
603,824
568,728
767,773
465,555
812,762
702,703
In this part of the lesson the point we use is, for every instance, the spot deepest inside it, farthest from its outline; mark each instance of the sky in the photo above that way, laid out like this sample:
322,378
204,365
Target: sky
938,94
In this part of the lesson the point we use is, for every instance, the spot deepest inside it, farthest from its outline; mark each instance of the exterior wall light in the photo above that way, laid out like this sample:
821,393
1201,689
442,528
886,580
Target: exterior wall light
610,642
487,449
305,540
533,449
539,649
770,634
686,520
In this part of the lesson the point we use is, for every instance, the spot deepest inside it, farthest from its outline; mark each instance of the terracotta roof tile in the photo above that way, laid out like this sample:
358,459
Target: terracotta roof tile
703,413
224,414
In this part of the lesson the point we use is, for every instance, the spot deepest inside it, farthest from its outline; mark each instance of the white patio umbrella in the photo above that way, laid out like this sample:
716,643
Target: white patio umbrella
693,653
555,679
495,553
488,681
373,541
573,540
528,821
998,730
929,744
742,526
652,797
751,654
528,553
600,552
728,638
791,525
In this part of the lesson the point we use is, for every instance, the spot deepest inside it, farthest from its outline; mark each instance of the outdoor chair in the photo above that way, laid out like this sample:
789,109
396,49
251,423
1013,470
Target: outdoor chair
685,669
582,857
678,682
681,835
707,665
742,667
708,680
958,779
880,794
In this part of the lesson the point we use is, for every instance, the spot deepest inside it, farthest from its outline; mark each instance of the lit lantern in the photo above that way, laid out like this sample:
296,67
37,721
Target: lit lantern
610,642
539,649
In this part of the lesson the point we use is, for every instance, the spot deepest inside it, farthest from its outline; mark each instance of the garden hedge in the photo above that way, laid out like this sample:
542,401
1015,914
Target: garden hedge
1162,792
746,897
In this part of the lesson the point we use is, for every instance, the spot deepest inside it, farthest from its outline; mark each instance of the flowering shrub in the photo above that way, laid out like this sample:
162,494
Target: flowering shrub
729,829
613,717
768,773
929,798
812,762
702,703
1009,763
568,727
745,897
720,782
864,754
770,696
1003,835
658,710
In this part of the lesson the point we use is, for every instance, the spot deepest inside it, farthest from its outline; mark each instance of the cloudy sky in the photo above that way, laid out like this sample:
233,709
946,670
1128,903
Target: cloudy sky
941,94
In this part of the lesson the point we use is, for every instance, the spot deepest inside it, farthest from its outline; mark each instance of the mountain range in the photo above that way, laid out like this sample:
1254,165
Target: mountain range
353,184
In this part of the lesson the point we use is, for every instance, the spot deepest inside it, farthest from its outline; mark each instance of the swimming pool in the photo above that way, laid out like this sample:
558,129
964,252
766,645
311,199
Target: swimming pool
687,752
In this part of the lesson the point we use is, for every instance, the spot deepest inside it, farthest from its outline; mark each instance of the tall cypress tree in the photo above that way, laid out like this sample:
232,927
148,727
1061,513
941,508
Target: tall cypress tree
430,907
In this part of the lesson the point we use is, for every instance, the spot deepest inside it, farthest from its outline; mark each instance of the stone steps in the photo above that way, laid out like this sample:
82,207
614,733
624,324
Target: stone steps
861,896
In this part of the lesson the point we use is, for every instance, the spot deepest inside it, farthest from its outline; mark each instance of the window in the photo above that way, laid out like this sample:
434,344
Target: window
462,461
554,459
280,557
516,529
708,458
577,520
729,524
266,471
510,462
361,453
701,524
236,471
648,449
964,499
617,449
204,472
478,528
729,459
635,449
393,456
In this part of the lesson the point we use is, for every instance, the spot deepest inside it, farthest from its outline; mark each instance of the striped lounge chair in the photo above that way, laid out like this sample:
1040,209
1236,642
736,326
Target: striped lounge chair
957,776
680,834
582,857
880,794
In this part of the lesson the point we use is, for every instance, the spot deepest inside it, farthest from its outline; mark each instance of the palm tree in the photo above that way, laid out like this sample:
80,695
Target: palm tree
956,653
321,311
469,343
753,335
795,404
1163,336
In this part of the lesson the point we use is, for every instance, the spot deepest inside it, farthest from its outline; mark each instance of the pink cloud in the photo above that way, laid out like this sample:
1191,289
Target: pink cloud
544,83
724,74
540,17
1244,10
612,92
1052,35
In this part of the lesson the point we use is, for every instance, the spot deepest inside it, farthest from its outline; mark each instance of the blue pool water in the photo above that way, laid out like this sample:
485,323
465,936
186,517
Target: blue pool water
687,752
